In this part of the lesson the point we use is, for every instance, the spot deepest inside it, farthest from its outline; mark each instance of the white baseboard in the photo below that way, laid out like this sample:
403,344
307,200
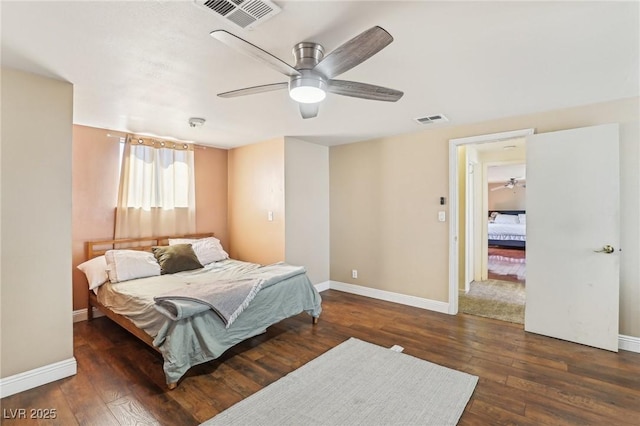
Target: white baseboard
81,314
323,286
629,343
403,299
37,377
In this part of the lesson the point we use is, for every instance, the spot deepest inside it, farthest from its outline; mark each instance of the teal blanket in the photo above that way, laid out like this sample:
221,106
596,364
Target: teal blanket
227,298
204,336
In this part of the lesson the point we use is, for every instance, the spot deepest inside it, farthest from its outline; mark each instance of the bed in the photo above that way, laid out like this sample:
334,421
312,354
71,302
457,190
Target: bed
507,228
186,333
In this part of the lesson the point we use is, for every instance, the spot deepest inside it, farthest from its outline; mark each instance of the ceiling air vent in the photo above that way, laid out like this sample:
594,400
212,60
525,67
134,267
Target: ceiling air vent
246,14
432,119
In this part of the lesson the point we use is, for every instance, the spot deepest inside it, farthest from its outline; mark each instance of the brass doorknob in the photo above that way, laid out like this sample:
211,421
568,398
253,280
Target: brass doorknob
606,249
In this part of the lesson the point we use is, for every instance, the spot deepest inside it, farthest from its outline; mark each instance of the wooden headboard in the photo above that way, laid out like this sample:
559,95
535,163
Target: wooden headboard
99,247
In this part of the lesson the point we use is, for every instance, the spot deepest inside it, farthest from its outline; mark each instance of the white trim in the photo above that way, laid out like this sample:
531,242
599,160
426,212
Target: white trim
629,343
403,299
326,285
37,377
492,137
453,203
81,314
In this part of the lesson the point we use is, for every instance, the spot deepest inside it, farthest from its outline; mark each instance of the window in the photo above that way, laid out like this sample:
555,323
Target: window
156,195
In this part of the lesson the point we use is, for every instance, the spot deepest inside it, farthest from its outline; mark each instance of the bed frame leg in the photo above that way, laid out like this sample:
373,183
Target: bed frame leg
89,312
314,320
172,386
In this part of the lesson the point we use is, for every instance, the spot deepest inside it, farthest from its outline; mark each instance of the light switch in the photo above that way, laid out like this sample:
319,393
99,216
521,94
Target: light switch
270,216
442,216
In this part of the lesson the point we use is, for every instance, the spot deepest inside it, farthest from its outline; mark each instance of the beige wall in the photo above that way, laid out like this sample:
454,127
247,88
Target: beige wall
385,198
256,187
507,199
384,202
96,162
37,114
307,207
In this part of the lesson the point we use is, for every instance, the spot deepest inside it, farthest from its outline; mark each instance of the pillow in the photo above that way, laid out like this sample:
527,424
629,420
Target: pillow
506,218
208,250
176,258
96,271
522,218
125,265
492,218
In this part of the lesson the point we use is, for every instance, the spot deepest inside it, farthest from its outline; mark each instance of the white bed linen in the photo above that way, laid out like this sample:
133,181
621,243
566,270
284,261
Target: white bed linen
507,231
134,299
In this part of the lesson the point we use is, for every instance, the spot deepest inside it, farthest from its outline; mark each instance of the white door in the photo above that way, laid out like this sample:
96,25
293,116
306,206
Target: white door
572,213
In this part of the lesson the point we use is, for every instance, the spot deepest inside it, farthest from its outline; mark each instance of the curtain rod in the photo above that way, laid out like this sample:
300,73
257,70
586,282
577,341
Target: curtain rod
159,143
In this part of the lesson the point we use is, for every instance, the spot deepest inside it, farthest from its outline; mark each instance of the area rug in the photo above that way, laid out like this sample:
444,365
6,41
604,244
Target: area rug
502,300
358,383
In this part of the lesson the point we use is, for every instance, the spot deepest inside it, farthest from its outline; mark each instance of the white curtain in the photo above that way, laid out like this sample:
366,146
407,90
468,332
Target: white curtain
157,190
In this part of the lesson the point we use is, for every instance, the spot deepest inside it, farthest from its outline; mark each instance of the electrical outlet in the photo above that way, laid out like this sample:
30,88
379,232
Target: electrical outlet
354,273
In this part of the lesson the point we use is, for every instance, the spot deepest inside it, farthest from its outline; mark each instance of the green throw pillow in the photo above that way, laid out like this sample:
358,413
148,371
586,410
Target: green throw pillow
176,258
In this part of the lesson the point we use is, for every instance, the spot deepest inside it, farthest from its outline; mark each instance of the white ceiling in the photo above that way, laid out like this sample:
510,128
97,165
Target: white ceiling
504,172
147,66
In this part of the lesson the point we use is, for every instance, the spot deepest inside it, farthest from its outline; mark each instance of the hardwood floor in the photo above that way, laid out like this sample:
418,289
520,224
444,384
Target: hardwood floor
506,264
524,378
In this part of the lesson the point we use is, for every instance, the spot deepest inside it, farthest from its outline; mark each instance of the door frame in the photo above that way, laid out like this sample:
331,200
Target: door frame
454,193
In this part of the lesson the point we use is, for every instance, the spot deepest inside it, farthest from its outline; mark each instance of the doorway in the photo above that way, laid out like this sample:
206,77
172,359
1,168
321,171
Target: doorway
499,292
482,272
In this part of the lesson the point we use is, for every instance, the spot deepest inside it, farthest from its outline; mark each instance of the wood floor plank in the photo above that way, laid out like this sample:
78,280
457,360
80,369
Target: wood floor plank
130,412
524,378
109,382
499,415
616,395
195,396
84,400
46,406
577,398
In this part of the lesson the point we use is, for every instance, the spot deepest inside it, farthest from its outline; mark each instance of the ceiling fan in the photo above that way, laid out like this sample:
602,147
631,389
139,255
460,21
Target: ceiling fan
510,184
313,74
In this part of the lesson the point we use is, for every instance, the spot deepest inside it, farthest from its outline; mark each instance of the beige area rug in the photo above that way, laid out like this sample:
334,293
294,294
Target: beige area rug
358,383
502,300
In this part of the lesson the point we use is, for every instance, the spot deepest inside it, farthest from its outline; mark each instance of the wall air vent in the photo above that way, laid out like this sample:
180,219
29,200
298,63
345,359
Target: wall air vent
432,119
246,14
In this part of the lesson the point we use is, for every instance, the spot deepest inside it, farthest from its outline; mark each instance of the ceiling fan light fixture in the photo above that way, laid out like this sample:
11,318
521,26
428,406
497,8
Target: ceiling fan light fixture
307,90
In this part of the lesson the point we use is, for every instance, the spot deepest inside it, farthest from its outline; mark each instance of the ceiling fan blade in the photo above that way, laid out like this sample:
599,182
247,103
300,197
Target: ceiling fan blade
309,110
253,90
497,188
254,52
363,90
354,52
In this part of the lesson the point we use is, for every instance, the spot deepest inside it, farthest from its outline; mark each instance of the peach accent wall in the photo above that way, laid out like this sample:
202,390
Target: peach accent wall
95,168
256,187
211,192
96,165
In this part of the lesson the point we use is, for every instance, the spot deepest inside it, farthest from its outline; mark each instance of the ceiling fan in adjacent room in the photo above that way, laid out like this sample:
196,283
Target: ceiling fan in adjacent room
510,184
313,74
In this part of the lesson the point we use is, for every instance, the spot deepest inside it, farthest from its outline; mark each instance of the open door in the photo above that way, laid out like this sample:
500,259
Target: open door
573,235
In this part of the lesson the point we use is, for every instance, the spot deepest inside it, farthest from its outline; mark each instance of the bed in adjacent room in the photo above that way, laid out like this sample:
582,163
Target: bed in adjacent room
192,315
507,228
